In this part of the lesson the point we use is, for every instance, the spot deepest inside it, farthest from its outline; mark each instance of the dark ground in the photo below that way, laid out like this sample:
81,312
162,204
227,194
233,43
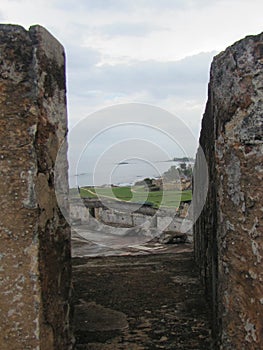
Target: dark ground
152,301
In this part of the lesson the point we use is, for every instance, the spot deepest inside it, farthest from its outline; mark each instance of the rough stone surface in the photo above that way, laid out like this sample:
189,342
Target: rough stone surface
229,234
140,303
35,239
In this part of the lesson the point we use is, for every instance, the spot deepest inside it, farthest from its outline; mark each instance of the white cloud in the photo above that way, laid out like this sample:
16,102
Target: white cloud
179,86
176,31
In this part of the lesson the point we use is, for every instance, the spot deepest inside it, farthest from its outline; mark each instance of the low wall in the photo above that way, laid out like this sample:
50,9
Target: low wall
79,213
161,219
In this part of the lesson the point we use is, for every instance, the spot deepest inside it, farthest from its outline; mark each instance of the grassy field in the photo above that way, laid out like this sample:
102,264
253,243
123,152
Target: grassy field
138,194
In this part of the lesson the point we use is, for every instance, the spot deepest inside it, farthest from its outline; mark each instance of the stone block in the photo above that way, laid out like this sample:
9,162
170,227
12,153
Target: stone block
35,238
229,233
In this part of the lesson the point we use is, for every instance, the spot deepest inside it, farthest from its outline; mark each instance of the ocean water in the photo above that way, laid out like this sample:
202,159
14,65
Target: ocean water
123,173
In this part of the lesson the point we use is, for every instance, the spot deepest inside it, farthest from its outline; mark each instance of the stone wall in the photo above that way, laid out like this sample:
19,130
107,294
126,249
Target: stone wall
162,219
35,239
229,234
79,214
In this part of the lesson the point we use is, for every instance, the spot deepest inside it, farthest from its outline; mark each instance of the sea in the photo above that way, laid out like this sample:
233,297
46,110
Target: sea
123,173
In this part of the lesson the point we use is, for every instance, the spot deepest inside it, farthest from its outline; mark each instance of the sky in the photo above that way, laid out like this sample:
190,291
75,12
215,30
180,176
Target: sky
149,52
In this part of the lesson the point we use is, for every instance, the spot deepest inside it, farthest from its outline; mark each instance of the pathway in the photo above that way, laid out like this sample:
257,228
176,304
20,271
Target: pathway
137,302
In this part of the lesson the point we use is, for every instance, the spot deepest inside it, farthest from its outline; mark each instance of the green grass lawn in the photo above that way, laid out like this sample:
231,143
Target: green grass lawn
138,194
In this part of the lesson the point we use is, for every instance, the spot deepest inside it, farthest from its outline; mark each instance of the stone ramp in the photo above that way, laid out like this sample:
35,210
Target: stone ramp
140,302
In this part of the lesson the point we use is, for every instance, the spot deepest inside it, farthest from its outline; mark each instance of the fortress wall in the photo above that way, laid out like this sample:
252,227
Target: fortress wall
35,239
229,233
79,213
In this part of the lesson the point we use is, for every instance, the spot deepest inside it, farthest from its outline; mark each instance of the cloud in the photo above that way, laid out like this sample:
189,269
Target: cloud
128,29
148,81
124,5
170,32
81,59
92,5
159,78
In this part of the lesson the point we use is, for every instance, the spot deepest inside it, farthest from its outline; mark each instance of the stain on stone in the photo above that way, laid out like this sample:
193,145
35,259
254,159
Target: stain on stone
54,79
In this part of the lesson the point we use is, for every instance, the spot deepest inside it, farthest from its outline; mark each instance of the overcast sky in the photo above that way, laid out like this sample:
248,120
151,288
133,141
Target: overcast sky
156,52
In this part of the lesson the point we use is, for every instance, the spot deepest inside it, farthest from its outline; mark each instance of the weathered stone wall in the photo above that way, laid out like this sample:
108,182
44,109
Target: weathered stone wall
162,219
78,212
35,239
229,234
